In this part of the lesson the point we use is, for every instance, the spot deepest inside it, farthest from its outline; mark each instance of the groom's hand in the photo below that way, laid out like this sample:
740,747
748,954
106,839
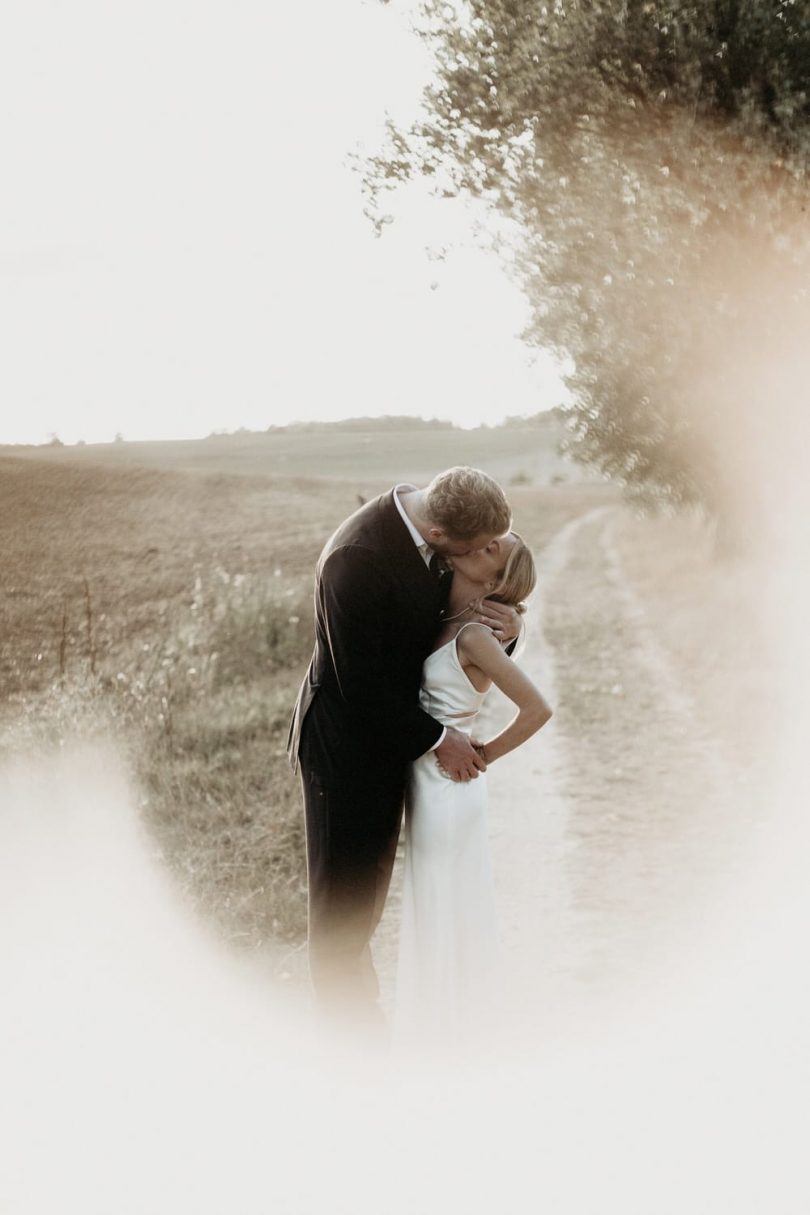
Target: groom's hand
456,757
502,618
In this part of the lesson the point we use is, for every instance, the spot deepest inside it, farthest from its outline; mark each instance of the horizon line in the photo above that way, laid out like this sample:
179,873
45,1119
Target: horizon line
374,421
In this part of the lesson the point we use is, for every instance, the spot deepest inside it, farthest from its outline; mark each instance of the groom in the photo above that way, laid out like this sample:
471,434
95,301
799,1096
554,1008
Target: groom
381,589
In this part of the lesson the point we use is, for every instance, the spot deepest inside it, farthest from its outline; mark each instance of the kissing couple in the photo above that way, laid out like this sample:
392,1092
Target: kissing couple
418,603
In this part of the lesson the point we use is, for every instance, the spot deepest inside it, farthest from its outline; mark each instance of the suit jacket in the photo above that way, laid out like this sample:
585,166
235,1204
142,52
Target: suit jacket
377,612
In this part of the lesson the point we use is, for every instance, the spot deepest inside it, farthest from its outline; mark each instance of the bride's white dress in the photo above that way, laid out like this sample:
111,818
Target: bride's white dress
446,976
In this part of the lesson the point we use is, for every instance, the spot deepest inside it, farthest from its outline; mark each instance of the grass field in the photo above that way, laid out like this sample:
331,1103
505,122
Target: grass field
379,453
169,604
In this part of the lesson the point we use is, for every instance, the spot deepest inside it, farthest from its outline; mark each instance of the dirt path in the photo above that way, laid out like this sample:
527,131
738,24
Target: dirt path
611,829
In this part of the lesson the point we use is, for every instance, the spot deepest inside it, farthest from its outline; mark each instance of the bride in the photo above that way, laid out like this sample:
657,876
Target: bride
448,943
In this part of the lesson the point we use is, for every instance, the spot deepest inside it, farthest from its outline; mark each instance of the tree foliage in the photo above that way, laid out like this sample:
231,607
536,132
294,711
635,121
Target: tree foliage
654,158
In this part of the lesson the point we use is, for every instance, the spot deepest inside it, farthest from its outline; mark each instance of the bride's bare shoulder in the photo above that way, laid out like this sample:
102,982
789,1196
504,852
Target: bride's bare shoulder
475,640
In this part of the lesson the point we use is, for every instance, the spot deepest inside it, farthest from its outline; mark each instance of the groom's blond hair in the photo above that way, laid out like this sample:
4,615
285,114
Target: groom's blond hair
467,503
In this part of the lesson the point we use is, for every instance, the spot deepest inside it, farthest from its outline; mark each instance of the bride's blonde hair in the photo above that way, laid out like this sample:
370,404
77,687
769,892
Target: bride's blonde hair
519,576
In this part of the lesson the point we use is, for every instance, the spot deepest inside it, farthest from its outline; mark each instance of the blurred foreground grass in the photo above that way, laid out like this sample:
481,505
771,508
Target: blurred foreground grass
201,718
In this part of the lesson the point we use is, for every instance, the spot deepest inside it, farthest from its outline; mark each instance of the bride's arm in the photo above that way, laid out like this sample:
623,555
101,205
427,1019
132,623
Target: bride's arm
477,646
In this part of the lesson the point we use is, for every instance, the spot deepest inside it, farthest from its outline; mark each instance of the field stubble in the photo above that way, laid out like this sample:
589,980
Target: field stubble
172,611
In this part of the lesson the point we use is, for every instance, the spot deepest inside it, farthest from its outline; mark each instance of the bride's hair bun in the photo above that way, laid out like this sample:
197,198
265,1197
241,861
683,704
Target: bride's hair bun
519,576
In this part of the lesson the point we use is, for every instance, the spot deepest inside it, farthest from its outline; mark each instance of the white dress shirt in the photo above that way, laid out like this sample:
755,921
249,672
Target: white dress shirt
426,552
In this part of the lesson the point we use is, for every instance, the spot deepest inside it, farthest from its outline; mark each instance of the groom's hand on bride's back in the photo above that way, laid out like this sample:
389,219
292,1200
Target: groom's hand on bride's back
502,618
457,758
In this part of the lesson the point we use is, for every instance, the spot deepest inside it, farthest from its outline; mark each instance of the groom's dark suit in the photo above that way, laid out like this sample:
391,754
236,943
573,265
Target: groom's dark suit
356,726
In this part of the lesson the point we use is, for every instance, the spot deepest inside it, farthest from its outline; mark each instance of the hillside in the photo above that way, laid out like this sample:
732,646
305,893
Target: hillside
521,454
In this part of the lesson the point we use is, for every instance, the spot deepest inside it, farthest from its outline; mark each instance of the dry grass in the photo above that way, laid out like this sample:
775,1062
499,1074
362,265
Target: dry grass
172,610
138,540
201,718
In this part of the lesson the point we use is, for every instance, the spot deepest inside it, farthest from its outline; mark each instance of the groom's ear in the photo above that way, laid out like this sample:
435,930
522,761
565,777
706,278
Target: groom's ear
495,545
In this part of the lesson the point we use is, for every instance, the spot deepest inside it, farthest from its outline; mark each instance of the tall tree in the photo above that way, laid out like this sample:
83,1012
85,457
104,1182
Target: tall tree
654,158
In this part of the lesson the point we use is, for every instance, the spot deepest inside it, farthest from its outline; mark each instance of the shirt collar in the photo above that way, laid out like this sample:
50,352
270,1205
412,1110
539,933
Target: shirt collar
419,540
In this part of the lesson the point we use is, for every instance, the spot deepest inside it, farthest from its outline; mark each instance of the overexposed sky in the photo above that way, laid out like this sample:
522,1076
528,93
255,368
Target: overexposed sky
183,246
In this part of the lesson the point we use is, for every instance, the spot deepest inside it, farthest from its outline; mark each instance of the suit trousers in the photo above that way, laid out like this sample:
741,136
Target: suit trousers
352,831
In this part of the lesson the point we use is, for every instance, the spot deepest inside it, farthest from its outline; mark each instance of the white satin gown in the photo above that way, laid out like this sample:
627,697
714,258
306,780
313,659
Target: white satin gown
448,949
